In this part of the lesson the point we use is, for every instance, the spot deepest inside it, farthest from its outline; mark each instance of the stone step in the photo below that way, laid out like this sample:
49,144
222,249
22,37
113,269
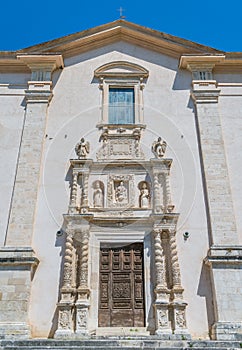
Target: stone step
117,344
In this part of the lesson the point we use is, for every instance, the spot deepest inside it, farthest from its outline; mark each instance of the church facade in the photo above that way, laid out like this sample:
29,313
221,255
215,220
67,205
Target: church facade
121,191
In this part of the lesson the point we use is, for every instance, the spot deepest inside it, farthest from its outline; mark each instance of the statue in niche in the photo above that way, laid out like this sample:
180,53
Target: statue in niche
159,148
98,194
144,197
82,148
121,195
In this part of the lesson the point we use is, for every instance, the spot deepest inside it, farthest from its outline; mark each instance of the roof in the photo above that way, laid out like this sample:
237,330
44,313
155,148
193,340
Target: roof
119,30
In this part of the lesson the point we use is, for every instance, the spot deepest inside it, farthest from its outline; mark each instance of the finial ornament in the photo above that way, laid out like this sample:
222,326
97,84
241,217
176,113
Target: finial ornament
159,148
82,148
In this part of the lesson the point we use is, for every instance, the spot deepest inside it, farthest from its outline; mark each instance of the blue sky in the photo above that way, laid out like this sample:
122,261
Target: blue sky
209,22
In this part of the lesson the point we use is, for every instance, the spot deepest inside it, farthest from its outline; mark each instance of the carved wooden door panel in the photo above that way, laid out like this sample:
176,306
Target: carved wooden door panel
121,294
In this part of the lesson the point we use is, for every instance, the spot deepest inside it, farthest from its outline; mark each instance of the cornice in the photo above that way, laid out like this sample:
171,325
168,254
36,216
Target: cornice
190,61
44,61
220,63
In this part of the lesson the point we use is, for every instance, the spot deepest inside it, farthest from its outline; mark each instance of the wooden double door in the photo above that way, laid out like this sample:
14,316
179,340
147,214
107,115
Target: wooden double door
121,294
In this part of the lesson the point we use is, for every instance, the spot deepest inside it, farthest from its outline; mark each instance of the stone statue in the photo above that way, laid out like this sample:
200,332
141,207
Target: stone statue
159,148
144,198
82,148
121,195
98,195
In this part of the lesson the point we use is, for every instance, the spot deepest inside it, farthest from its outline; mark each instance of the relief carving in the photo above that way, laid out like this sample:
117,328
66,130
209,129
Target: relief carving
120,143
120,191
121,290
81,318
121,195
162,318
180,318
64,320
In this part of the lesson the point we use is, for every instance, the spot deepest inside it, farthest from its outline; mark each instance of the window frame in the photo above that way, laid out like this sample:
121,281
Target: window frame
122,84
122,75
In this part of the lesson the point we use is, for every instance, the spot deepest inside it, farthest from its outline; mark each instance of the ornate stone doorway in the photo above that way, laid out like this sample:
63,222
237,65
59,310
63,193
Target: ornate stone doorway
121,297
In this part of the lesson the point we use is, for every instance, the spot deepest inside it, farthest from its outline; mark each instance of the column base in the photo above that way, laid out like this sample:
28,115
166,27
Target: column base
163,325
82,317
227,331
63,334
14,331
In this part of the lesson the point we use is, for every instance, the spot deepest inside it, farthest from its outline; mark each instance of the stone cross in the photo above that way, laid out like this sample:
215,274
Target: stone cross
121,12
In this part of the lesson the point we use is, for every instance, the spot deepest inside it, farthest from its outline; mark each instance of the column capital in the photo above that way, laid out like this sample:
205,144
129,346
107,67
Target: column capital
204,62
204,86
47,63
42,67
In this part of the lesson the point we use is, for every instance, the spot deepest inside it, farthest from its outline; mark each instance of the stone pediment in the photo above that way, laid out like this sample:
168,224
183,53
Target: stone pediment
94,38
121,69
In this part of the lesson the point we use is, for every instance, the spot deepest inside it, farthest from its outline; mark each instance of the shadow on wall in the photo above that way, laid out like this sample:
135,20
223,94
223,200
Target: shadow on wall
205,290
60,242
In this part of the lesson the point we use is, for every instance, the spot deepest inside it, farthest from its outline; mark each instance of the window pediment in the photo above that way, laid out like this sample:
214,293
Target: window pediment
121,69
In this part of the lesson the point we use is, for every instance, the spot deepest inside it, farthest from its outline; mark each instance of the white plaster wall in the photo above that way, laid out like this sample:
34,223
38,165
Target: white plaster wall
11,122
230,105
74,112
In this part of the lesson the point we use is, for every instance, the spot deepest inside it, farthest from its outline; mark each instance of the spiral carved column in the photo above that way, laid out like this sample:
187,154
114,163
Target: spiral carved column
73,205
168,203
176,277
66,304
157,200
85,177
162,293
83,291
159,261
179,306
83,261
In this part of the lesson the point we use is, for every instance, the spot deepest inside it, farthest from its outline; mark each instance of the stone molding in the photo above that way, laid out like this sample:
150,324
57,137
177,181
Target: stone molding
224,255
16,256
194,62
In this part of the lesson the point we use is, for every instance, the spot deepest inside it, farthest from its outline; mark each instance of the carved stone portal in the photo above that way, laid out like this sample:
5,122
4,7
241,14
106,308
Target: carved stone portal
120,188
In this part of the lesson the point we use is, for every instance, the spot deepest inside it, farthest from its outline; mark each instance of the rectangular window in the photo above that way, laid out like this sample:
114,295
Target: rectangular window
121,106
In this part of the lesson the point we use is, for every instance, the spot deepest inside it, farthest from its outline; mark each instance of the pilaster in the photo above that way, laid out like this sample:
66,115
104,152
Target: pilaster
37,98
17,266
216,178
20,257
224,255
